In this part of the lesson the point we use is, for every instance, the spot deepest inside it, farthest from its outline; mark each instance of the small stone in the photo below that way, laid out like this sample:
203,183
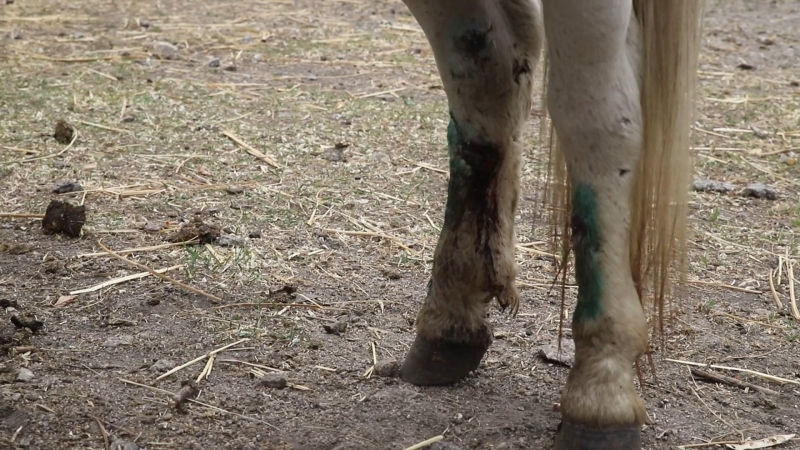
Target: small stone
760,190
153,227
117,341
788,159
127,118
144,23
166,50
234,189
745,66
24,375
153,301
551,353
702,185
123,445
758,132
64,133
336,328
16,397
255,234
213,62
230,241
334,154
381,157
67,186
388,369
765,40
230,68
275,381
162,365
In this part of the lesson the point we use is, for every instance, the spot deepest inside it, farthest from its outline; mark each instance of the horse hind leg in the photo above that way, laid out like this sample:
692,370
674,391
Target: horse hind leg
593,98
486,52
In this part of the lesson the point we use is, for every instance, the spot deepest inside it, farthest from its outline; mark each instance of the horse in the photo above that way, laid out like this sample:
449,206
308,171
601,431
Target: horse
619,90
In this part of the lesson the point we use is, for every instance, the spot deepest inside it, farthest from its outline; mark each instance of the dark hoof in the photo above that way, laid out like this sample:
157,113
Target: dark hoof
573,436
431,363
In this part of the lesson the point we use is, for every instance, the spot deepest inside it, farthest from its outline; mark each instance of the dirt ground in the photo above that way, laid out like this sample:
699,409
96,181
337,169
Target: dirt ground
180,108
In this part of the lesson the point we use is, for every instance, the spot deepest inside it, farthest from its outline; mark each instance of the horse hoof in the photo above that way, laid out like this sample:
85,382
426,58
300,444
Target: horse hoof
573,436
432,363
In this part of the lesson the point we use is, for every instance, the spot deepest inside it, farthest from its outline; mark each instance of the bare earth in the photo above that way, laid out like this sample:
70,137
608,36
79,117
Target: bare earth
345,97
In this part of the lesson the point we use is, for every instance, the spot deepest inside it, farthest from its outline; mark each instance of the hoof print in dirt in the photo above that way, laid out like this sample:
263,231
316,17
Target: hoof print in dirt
65,218
64,133
388,369
188,389
760,190
203,232
29,322
274,381
67,186
335,328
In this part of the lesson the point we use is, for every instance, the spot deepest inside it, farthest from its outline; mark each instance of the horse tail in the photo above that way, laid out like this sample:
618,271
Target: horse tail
671,33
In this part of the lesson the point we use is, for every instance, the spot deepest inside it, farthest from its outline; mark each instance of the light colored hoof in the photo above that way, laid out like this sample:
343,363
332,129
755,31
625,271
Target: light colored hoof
574,436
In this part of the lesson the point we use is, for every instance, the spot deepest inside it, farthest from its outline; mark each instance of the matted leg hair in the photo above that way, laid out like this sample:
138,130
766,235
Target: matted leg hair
486,53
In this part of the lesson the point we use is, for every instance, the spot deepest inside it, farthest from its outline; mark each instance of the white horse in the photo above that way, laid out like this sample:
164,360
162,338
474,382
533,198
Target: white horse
620,91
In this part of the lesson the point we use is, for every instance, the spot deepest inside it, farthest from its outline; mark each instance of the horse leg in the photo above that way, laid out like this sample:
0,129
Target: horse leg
593,98
486,52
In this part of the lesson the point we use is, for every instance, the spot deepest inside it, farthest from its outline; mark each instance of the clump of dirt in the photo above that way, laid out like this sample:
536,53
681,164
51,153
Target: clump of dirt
64,132
27,321
204,233
63,217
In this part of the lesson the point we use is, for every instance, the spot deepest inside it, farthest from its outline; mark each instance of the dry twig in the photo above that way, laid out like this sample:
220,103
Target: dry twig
250,149
719,378
191,289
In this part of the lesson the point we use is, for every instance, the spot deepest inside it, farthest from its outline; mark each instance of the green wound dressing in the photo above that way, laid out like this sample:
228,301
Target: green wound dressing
586,245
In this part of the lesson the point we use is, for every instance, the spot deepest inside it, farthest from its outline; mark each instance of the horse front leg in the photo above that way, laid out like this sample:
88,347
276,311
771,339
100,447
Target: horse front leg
593,96
486,53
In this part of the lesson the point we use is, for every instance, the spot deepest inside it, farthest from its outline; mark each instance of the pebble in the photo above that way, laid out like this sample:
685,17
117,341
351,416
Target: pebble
24,375
230,241
256,234
123,445
165,50
213,62
336,328
67,186
381,157
153,227
234,189
116,341
162,365
275,381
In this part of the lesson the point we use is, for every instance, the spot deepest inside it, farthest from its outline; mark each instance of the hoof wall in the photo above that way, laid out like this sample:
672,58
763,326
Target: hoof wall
573,436
432,363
